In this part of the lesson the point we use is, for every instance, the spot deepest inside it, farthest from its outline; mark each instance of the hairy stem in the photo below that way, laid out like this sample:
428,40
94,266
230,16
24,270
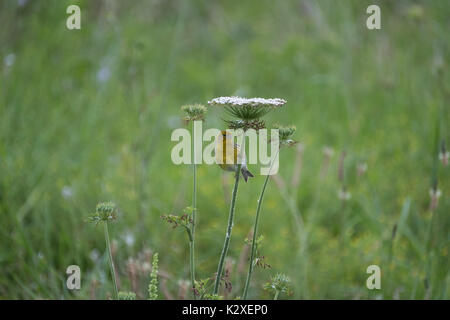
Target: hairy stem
229,229
111,263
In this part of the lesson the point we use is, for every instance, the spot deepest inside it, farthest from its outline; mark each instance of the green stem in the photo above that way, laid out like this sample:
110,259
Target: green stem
255,230
276,295
111,263
194,214
229,229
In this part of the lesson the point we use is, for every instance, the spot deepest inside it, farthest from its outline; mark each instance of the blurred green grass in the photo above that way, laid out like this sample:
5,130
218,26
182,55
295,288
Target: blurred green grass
86,116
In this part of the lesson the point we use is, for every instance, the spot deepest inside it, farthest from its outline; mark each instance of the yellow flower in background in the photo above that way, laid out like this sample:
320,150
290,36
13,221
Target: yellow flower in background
229,155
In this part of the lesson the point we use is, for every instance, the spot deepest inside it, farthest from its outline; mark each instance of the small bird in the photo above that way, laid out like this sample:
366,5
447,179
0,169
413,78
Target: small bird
229,155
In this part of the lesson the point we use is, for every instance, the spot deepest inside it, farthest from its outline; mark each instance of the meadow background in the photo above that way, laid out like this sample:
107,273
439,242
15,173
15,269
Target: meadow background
86,116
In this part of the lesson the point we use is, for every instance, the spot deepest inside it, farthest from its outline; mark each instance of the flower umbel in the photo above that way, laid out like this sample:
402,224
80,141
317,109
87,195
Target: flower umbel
194,112
104,212
247,109
285,133
280,283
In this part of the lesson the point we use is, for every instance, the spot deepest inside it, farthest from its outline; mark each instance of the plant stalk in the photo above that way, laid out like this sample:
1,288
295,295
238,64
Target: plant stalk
111,263
194,214
255,231
276,295
229,229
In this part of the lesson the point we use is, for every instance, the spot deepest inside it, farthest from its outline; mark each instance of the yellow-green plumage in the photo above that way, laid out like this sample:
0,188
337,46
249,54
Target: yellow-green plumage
228,155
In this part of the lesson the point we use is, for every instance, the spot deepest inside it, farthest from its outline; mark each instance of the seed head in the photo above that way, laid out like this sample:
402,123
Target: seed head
104,212
285,133
194,112
279,283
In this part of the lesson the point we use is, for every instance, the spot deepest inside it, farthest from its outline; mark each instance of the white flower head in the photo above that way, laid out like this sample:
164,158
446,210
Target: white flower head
247,112
247,102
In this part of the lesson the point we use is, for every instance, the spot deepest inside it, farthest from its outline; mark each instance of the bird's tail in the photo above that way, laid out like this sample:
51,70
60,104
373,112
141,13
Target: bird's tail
246,174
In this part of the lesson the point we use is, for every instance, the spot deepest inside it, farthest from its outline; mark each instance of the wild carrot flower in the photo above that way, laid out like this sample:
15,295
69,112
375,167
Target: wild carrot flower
246,114
194,112
106,212
280,283
285,133
247,111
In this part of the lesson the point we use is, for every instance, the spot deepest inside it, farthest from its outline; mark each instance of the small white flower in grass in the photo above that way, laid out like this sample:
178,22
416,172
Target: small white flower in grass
9,60
67,192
